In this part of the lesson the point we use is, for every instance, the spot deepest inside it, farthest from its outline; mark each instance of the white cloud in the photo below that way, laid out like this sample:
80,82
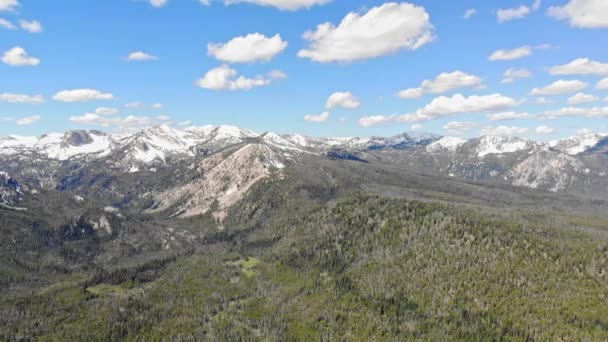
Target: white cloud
560,87
508,14
33,26
129,122
82,95
416,127
186,123
444,82
446,106
543,100
285,5
106,111
596,112
602,84
158,3
606,99
225,78
317,118
459,127
277,74
504,116
342,99
253,47
581,66
507,55
536,5
379,31
20,98
17,56
7,24
582,13
507,131
140,56
545,130
584,131
135,105
8,5
581,98
469,13
511,75
28,120
157,106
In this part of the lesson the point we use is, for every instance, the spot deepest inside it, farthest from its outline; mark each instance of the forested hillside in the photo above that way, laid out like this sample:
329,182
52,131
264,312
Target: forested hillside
357,268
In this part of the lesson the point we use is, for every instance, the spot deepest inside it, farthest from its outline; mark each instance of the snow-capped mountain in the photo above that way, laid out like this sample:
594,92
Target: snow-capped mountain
445,144
577,144
107,164
497,145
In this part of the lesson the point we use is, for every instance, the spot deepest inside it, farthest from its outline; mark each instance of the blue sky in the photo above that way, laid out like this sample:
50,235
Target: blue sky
85,45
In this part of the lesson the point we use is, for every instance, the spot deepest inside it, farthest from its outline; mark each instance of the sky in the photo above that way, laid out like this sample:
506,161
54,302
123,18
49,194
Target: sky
531,68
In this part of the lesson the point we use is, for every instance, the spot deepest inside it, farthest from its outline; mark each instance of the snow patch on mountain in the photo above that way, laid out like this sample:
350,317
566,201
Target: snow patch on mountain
577,144
499,144
446,144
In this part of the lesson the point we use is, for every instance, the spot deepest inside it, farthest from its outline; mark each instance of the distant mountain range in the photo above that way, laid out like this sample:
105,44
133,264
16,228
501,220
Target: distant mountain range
189,172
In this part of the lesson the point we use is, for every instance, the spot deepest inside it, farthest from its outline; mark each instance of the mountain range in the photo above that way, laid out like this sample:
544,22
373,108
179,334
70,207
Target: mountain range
221,233
225,161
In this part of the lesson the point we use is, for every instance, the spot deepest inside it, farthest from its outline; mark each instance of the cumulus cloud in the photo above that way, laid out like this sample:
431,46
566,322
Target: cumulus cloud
342,99
7,24
511,75
459,127
17,56
129,122
560,87
33,26
106,111
140,56
581,66
157,106
446,106
284,5
582,13
253,47
82,95
158,3
20,98
508,14
469,13
543,100
545,130
225,78
317,118
134,105
596,112
379,31
507,131
28,120
444,82
581,98
602,84
507,55
277,74
416,127
9,5
504,116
